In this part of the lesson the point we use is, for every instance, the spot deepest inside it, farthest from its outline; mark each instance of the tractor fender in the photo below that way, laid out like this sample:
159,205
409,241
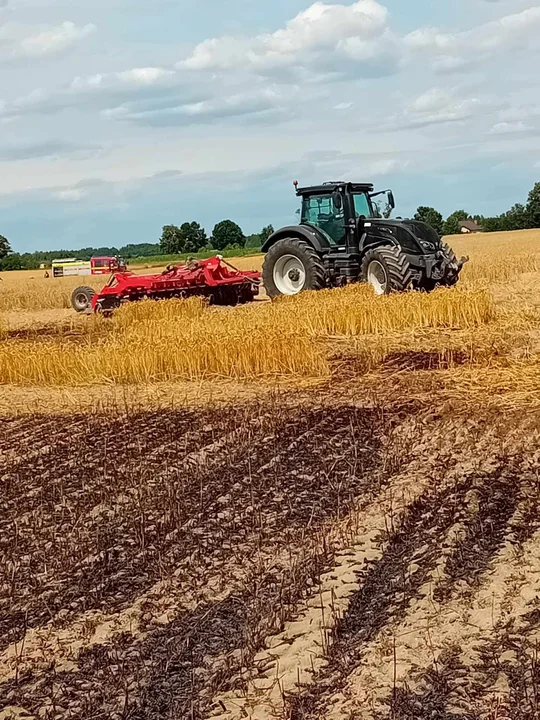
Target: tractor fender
310,234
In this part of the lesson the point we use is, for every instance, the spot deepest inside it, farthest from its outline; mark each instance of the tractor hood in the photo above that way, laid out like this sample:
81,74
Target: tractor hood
425,239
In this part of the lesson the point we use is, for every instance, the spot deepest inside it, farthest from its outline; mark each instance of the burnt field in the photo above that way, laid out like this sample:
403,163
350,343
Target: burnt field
270,560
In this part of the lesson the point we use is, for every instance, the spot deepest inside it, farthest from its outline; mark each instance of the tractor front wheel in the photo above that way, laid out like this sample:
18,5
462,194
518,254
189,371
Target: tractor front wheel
81,298
453,268
387,270
291,266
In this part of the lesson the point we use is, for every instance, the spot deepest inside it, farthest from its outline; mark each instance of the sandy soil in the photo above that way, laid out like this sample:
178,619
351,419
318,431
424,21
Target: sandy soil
277,558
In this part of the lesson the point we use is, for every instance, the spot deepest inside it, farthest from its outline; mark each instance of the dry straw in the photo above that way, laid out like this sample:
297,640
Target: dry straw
157,341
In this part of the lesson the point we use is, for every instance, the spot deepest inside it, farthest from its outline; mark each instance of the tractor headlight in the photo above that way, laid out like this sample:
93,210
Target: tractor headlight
427,245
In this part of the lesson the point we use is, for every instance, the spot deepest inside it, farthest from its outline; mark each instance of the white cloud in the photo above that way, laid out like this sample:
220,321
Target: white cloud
136,77
356,33
437,106
285,73
256,103
145,76
53,40
451,52
69,195
52,149
98,91
506,128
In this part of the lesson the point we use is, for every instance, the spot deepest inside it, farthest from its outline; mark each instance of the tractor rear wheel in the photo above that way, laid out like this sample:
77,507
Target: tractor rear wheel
81,298
291,266
387,270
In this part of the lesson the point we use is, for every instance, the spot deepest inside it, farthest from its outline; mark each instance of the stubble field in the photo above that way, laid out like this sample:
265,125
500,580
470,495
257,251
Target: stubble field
348,528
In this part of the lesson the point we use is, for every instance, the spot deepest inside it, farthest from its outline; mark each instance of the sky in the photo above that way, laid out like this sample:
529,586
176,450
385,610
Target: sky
120,116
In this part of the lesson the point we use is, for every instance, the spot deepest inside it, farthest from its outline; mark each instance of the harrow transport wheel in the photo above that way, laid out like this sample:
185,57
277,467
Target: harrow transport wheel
81,298
387,270
291,266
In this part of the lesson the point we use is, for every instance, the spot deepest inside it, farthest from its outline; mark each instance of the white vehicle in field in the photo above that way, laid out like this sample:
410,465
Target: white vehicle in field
95,266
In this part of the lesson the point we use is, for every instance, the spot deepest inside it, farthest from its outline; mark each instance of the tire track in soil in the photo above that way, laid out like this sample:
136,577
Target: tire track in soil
429,628
391,588
318,482
171,673
493,669
297,653
82,475
483,533
427,454
156,508
16,435
49,546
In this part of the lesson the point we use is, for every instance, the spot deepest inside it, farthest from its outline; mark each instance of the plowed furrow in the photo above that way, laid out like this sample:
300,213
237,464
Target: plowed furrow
395,582
188,521
436,646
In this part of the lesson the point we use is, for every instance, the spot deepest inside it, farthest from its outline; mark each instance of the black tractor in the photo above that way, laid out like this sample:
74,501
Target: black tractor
343,238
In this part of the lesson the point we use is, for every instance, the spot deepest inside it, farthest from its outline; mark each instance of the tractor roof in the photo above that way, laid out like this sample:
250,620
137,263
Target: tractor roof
329,187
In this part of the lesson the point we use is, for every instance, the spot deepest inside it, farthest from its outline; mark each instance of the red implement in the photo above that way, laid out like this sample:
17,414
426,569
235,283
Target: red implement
214,279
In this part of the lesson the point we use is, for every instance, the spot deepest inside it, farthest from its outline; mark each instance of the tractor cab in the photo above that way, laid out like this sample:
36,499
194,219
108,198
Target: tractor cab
344,211
332,207
346,235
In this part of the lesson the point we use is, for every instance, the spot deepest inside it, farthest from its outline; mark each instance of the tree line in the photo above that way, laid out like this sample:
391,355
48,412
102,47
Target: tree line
191,238
519,217
188,238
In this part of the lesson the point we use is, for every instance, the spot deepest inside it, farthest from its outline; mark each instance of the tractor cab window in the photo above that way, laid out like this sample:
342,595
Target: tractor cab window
362,205
319,210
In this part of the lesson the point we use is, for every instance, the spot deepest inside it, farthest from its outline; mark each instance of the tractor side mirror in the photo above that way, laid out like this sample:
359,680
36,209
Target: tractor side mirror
337,199
391,200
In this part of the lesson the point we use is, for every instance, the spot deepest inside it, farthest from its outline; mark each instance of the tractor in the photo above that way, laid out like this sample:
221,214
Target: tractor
342,238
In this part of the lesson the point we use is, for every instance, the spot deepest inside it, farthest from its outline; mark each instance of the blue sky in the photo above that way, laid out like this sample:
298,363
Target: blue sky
120,116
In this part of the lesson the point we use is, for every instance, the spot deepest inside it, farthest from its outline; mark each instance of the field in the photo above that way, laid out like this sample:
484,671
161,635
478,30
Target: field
324,507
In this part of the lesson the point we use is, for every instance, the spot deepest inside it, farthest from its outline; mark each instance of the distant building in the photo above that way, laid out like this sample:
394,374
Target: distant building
42,266
469,226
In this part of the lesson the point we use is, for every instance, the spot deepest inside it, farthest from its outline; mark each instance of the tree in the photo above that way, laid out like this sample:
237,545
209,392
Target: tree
517,218
451,226
257,240
265,233
5,247
172,240
430,216
193,237
253,241
533,207
490,224
139,250
227,233
11,261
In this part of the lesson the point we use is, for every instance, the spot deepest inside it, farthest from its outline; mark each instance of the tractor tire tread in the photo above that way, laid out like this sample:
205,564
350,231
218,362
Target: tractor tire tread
452,278
315,271
398,268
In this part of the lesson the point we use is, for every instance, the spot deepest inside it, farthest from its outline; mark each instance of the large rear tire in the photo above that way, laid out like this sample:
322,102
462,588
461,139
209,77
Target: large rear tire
387,270
81,298
292,266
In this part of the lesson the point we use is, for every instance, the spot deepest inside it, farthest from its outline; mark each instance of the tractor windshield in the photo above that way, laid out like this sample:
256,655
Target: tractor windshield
320,211
362,205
